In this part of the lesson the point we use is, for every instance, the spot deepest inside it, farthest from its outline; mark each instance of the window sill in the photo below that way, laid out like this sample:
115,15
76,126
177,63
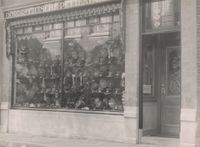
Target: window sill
70,111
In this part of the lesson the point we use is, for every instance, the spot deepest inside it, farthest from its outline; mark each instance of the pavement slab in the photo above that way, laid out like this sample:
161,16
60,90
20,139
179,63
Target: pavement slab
16,140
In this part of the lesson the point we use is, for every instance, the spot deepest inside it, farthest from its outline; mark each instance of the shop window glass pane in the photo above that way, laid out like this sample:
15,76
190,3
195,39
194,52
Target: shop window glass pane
57,33
38,72
101,28
70,24
81,22
173,72
86,74
94,20
19,31
161,14
73,31
148,71
116,29
38,28
58,26
116,18
48,27
28,30
106,19
93,73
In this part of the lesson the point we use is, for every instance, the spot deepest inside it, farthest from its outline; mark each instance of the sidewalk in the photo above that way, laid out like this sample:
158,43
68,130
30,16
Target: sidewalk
12,140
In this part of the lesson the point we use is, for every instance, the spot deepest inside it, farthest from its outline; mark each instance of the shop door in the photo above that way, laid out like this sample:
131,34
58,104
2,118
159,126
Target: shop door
170,91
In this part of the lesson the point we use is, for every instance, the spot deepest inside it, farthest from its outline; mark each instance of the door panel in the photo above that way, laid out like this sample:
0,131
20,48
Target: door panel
171,90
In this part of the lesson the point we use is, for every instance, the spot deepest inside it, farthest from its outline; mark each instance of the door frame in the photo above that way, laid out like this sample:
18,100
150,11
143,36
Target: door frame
161,43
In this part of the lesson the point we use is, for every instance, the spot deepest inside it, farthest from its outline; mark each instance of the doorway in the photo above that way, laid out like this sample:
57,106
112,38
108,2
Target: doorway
161,84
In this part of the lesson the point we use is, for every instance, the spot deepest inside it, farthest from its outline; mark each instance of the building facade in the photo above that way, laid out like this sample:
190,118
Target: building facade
115,70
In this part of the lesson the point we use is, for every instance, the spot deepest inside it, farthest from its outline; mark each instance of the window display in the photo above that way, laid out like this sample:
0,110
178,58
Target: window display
56,71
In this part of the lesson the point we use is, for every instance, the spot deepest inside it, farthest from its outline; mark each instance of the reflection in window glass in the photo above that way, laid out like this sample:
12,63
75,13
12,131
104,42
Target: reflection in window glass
161,14
38,72
69,73
58,26
173,72
19,31
48,27
73,31
116,18
106,19
101,28
148,71
94,20
81,22
70,24
38,28
28,30
57,33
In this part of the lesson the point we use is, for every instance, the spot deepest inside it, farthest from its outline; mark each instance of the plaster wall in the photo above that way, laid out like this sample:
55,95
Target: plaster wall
198,57
132,69
1,54
189,73
66,124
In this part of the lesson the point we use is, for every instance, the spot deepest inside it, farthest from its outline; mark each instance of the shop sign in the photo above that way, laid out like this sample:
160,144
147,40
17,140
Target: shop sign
49,7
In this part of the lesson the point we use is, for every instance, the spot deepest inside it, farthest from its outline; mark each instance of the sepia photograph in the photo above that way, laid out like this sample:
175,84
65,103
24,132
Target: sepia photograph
93,73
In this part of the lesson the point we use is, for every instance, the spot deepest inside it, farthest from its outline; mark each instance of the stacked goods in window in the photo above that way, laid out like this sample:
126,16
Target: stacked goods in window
38,73
84,69
28,81
93,80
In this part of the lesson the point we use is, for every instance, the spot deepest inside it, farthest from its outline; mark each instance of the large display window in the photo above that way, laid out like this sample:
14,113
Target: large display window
72,64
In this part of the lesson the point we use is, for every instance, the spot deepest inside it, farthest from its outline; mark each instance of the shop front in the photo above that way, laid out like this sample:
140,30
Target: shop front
68,69
113,70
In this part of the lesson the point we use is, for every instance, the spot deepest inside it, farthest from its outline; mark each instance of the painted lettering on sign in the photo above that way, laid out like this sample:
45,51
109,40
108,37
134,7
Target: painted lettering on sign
49,7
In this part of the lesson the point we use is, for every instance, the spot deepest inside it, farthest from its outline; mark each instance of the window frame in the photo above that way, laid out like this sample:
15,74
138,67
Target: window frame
15,58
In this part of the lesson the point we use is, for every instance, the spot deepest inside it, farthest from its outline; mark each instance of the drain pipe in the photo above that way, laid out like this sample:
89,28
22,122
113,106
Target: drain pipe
140,99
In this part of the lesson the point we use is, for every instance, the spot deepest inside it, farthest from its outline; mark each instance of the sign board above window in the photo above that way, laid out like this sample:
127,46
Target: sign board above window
52,6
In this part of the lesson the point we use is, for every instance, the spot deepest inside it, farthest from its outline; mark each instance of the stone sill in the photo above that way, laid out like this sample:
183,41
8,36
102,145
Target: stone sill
70,111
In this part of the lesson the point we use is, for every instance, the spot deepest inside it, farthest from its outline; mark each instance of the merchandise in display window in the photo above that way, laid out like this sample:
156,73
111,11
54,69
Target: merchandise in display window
64,65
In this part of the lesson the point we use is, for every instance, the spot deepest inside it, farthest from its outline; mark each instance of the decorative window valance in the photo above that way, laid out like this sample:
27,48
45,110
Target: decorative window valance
111,7
66,15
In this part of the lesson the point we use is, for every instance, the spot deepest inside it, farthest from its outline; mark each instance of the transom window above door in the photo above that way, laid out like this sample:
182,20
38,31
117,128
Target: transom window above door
160,15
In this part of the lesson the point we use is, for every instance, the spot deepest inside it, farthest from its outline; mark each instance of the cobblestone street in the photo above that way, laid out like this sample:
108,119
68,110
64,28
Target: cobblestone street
12,140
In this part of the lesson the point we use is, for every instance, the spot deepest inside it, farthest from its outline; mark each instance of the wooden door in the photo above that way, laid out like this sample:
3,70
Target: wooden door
171,91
